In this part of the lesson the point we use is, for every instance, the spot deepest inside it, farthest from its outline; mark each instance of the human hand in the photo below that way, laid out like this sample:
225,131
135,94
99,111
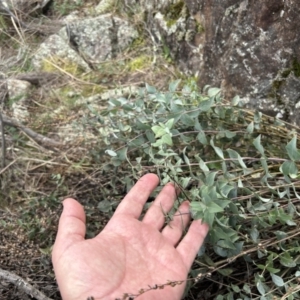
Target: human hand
127,255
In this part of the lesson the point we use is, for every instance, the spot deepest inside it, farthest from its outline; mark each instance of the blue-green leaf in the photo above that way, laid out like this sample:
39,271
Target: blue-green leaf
235,101
289,168
203,166
158,130
202,138
277,280
258,146
212,92
214,208
173,85
235,156
292,150
250,127
170,123
260,288
111,152
150,89
167,139
205,105
218,150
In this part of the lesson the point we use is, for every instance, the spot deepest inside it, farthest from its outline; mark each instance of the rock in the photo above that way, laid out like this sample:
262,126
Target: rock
251,48
3,90
83,43
17,92
179,33
23,7
100,38
56,50
105,6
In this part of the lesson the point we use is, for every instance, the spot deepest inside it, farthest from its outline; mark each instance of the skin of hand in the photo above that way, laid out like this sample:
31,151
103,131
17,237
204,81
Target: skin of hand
128,254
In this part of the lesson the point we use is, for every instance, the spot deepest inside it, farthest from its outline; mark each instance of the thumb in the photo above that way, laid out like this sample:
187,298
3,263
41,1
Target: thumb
71,227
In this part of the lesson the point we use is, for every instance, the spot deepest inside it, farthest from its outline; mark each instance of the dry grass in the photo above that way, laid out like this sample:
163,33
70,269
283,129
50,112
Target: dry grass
36,177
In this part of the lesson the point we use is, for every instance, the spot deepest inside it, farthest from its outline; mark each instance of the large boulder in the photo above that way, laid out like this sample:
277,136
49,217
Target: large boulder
86,42
252,48
249,48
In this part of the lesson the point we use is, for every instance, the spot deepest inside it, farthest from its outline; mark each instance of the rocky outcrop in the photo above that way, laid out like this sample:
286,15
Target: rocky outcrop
249,48
252,48
86,42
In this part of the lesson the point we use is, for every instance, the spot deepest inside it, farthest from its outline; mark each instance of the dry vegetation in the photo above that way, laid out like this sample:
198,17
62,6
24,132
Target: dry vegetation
37,174
41,167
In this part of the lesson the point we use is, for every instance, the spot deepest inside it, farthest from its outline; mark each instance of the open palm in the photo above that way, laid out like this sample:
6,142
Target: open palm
129,255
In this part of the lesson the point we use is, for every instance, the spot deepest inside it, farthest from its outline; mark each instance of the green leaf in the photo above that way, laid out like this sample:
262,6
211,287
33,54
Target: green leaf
258,146
224,189
225,271
277,280
246,288
158,143
187,120
150,136
214,208
289,168
158,130
122,154
287,261
218,150
173,85
203,166
235,288
185,181
250,127
254,234
209,218
235,101
229,134
201,137
170,123
206,105
222,203
292,150
235,156
111,152
150,89
105,206
272,270
260,287
167,139
210,178
212,92
197,206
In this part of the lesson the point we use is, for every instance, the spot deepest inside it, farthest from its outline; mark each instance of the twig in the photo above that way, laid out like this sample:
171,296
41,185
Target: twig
23,285
4,169
34,135
3,144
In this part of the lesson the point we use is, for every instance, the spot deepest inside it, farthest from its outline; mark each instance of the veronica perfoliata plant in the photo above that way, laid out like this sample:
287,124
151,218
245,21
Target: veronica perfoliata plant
237,167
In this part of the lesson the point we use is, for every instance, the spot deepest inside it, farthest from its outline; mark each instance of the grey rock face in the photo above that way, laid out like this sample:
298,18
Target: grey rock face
17,91
98,39
252,48
56,47
177,31
87,42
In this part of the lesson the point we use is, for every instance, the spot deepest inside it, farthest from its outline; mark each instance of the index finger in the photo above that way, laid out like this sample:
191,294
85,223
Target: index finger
135,200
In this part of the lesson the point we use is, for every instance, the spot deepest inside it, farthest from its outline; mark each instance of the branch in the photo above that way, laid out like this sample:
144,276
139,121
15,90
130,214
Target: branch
23,285
34,135
3,140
